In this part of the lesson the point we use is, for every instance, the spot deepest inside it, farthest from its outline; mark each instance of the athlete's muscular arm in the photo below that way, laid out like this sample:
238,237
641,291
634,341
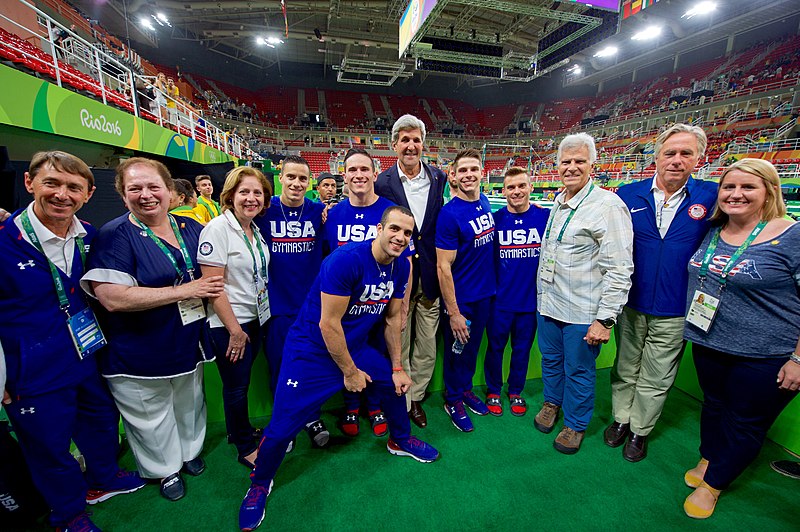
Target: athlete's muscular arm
330,325
392,334
407,296
444,262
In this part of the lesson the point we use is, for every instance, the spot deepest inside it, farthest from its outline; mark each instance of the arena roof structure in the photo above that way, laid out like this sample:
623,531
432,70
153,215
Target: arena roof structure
349,35
477,41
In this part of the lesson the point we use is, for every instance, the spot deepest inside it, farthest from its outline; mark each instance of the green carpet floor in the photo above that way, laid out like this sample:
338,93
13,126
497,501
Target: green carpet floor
503,476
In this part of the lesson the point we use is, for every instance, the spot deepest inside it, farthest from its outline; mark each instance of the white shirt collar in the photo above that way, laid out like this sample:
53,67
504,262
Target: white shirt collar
677,193
44,234
404,177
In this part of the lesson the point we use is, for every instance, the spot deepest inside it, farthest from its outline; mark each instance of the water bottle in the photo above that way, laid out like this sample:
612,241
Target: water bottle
458,347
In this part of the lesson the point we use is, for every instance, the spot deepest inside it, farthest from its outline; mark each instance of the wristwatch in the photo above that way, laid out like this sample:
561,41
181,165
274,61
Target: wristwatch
608,323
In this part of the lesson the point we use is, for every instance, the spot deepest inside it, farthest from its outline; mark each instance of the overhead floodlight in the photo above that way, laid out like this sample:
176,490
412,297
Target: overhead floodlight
161,19
575,69
274,40
147,24
607,51
703,8
261,40
651,32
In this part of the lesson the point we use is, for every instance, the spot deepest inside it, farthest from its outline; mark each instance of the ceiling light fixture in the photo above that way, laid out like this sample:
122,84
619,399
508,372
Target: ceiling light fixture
703,8
607,51
651,32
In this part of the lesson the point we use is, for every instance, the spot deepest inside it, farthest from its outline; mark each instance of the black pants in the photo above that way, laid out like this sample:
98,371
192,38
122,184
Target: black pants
741,402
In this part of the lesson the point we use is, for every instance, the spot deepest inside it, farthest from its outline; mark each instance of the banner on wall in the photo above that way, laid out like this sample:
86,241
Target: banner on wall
32,103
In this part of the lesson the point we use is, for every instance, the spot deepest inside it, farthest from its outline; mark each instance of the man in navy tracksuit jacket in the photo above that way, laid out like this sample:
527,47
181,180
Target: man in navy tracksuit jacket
670,216
53,394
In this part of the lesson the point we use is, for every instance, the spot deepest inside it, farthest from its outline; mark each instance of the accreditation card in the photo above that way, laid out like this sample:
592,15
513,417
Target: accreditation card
702,310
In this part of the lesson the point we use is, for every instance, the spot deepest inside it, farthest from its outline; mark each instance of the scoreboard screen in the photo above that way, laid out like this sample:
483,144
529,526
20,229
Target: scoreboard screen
611,5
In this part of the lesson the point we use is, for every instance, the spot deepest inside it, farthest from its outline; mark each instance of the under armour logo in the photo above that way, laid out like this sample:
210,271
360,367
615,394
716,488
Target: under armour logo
292,213
383,274
478,208
30,410
292,383
23,265
517,222
359,216
317,426
143,233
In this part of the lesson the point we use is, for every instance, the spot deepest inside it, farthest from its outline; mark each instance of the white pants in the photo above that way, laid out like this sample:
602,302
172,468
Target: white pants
165,420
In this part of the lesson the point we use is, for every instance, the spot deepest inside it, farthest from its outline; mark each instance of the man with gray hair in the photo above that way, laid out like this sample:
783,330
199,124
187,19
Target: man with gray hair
670,215
584,274
420,188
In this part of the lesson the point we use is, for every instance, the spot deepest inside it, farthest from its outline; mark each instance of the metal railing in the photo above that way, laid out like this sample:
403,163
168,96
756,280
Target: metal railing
76,64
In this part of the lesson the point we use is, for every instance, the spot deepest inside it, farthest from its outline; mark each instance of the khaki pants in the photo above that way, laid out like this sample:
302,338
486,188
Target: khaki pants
165,420
423,318
649,349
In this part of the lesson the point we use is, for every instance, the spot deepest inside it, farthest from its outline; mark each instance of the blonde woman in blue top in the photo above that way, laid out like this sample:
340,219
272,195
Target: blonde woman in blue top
743,319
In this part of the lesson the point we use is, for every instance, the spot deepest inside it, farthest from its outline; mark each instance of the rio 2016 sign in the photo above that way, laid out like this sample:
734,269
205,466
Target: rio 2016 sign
32,103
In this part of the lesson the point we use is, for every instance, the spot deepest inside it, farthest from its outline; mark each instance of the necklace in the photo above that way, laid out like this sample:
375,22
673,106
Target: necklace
283,212
381,272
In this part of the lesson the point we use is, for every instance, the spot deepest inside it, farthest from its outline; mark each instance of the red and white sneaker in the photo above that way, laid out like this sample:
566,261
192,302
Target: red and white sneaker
124,482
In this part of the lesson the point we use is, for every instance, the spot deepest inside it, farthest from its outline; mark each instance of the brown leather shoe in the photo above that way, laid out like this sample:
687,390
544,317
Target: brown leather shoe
636,448
615,434
568,441
545,420
417,414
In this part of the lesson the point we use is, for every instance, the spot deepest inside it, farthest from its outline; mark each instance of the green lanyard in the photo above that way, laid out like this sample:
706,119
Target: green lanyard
186,257
712,247
212,208
569,218
256,270
62,294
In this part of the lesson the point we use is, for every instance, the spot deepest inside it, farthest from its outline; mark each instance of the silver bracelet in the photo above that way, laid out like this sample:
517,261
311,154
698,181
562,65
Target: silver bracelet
794,357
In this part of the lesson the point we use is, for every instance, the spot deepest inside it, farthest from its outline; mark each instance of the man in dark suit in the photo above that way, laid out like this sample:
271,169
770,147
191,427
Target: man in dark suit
419,187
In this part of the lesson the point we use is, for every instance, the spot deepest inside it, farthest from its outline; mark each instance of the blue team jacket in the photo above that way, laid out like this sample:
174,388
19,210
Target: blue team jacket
660,273
40,355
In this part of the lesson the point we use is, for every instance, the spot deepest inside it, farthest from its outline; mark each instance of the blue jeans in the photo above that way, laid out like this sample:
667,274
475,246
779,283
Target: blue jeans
741,401
236,381
522,328
568,369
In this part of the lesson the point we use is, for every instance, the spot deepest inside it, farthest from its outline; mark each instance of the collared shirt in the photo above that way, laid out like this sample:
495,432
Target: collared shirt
416,192
665,210
593,261
60,251
222,245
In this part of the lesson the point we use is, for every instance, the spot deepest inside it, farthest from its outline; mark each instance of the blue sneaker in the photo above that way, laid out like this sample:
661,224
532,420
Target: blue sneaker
413,447
459,417
475,404
79,523
251,512
124,482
